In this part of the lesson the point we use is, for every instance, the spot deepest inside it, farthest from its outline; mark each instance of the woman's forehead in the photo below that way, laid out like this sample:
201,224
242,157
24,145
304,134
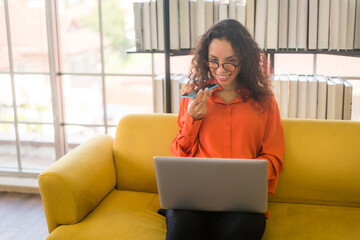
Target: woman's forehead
221,48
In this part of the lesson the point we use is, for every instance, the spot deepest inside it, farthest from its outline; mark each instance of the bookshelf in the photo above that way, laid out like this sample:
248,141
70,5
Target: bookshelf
182,52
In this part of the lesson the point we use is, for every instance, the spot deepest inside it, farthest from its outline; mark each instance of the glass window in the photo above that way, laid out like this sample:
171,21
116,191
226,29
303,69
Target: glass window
8,154
332,65
33,98
126,95
80,38
6,100
117,40
37,146
293,63
29,44
83,101
4,55
76,135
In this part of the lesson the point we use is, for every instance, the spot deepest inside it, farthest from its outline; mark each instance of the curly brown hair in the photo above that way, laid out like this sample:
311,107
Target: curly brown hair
253,78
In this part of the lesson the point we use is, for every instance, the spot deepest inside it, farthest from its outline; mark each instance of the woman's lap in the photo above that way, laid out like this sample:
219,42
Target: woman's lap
184,224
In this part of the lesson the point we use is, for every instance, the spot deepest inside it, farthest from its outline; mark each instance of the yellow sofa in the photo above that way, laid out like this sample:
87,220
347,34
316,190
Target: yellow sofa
106,188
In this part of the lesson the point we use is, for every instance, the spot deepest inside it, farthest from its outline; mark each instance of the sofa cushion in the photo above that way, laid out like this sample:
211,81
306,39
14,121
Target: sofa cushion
305,221
322,159
138,139
121,215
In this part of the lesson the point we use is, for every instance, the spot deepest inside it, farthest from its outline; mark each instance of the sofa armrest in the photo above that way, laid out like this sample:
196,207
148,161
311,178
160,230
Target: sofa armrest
75,184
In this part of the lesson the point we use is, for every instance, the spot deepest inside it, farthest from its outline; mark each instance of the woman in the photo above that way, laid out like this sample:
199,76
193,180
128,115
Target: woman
238,119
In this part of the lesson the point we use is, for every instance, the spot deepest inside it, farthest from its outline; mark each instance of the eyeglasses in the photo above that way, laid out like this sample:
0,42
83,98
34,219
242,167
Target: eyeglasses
227,66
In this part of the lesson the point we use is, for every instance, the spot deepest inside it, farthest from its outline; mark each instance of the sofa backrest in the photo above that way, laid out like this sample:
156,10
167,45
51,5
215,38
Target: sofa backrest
322,158
322,163
138,139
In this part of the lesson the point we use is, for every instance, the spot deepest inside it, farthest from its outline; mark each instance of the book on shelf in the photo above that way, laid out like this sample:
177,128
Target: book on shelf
293,95
178,81
284,96
312,91
250,17
275,83
302,96
292,30
350,32
357,26
223,11
209,14
348,88
137,6
344,8
184,12
335,99
283,23
160,23
159,95
313,24
324,23
272,24
193,27
302,15
241,13
174,24
200,18
146,26
216,10
232,9
153,25
321,97
334,24
260,22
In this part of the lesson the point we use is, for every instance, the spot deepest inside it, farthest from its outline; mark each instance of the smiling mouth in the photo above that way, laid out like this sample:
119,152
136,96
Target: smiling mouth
222,77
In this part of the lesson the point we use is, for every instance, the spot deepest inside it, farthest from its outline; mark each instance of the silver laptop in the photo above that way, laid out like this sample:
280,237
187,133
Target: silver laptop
212,184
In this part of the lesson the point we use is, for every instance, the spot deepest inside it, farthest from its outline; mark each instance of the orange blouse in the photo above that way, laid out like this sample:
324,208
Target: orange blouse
234,130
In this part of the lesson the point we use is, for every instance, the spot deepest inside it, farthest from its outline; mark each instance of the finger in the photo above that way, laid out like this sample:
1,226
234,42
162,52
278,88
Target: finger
206,95
199,96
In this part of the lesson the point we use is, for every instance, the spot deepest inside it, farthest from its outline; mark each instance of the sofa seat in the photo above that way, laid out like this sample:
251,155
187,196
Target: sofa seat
308,221
121,215
106,188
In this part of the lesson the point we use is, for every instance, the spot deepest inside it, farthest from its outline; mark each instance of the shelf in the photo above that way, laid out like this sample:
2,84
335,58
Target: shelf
350,53
182,52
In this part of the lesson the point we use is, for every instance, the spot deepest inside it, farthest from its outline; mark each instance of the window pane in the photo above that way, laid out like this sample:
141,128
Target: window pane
29,36
83,99
4,55
126,95
37,146
355,113
33,98
293,63
76,135
6,101
331,65
80,38
8,155
120,38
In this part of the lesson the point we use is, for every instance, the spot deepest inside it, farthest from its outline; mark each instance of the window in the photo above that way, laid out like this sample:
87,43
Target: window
63,82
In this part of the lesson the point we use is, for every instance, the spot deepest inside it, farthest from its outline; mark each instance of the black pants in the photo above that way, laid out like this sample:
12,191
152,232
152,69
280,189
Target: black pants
187,225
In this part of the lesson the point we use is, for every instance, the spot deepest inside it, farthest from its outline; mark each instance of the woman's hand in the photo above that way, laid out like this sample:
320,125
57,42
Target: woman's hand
197,105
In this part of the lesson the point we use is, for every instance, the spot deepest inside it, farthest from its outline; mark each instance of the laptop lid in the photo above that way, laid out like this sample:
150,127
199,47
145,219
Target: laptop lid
212,184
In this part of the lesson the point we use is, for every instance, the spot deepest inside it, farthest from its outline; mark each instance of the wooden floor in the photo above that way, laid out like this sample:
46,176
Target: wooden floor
22,217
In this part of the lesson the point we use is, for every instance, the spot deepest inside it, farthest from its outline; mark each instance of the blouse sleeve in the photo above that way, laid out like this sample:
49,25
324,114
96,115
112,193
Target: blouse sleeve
273,144
186,141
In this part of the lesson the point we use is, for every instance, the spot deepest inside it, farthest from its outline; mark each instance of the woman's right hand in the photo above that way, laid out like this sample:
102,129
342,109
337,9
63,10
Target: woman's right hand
197,105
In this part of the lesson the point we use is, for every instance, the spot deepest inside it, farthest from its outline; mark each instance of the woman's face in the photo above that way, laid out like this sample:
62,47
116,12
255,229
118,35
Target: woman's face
223,63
